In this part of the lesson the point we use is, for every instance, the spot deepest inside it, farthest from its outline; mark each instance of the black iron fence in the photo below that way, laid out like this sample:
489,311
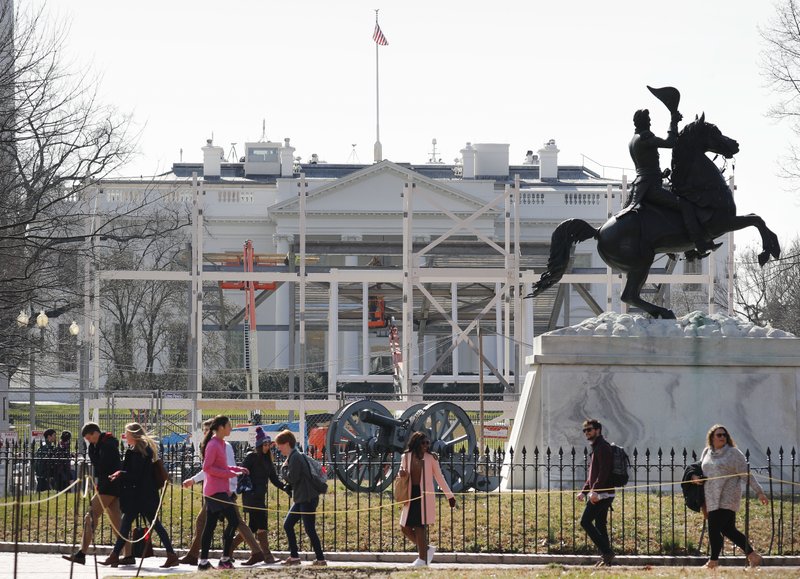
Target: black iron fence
649,516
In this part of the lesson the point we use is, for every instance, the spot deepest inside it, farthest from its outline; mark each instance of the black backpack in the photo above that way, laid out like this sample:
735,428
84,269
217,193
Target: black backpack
620,467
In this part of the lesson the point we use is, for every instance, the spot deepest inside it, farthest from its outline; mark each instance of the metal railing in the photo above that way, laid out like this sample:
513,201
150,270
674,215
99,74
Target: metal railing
649,516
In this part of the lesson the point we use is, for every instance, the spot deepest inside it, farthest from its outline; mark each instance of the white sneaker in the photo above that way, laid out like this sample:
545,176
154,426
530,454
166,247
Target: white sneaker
431,551
418,563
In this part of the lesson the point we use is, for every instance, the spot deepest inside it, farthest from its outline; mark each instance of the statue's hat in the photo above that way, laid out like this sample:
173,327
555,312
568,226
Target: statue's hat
668,95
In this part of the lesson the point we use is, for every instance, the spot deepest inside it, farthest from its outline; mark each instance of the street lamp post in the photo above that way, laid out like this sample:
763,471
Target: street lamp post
42,322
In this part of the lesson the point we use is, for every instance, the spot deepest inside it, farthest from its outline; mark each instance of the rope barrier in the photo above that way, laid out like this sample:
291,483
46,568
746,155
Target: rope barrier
44,500
535,492
146,535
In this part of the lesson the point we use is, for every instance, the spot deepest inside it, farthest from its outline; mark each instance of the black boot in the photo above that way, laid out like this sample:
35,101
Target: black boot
78,557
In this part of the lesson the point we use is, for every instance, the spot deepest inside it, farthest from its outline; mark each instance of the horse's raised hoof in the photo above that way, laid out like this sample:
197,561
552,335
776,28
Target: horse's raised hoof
763,258
663,314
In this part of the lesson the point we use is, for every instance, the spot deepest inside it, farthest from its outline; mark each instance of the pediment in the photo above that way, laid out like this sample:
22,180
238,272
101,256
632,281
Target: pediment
378,190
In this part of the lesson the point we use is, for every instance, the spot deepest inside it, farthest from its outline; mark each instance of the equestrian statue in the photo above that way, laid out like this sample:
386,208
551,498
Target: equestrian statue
686,217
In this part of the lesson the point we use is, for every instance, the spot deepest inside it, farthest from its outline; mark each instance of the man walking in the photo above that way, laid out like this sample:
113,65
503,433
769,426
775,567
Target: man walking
597,491
44,462
104,455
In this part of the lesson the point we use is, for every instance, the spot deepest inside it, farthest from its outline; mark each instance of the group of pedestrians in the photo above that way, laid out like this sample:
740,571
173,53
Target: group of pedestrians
128,489
723,468
52,465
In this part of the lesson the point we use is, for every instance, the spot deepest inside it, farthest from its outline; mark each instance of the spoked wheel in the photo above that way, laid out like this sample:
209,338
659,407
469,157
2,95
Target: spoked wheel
353,452
409,412
451,433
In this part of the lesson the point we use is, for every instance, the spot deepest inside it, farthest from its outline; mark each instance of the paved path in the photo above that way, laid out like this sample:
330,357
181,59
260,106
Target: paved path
41,566
52,566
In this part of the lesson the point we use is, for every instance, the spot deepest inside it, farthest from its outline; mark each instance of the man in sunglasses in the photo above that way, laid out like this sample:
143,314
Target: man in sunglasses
598,491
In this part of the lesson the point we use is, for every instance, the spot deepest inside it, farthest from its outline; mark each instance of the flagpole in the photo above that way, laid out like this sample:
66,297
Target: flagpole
378,150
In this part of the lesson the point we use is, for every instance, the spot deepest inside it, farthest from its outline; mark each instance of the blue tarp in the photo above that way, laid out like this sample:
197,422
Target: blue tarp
175,438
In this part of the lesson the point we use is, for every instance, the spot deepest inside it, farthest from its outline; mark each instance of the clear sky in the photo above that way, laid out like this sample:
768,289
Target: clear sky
503,72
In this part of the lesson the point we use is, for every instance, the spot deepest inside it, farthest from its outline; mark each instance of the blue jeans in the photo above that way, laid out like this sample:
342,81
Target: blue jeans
309,523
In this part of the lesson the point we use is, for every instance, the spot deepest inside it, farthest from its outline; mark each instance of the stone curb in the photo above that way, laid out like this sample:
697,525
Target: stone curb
455,558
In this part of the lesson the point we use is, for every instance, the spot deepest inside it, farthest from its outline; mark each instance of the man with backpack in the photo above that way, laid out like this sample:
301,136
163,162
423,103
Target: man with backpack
598,491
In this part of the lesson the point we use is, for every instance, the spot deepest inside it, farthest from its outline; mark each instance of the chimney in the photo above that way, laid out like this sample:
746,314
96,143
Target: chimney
548,161
287,159
212,159
491,160
468,162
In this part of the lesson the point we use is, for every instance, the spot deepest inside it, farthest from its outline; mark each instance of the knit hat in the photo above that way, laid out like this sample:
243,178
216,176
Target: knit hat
261,438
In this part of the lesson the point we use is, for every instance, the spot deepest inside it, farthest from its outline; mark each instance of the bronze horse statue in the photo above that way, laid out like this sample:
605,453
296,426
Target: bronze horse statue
630,242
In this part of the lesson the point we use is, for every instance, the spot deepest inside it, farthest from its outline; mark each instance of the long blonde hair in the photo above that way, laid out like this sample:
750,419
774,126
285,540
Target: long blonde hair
138,438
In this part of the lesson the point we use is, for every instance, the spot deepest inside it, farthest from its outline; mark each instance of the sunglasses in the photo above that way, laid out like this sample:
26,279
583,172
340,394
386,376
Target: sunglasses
428,442
589,429
721,434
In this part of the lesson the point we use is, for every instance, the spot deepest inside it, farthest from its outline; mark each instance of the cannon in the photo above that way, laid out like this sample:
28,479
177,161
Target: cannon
364,443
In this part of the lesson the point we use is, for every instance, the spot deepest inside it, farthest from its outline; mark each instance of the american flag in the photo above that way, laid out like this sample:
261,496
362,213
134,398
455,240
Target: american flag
378,37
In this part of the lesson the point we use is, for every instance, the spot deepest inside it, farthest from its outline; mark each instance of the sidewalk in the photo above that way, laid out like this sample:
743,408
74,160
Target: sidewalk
47,563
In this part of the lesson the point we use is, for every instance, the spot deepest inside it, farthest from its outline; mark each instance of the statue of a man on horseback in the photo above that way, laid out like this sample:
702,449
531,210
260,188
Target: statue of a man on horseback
648,186
657,220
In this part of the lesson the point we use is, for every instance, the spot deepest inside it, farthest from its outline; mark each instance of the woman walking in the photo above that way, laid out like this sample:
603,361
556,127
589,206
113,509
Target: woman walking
419,511
217,493
139,495
723,493
297,472
262,470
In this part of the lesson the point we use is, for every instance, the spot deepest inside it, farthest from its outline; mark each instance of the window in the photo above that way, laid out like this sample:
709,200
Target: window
67,350
262,155
694,266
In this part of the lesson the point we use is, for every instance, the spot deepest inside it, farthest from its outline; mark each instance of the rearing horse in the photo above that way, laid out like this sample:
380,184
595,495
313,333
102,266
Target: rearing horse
631,241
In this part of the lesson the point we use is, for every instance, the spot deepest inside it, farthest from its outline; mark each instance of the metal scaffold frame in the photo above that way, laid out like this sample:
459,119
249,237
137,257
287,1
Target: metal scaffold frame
513,317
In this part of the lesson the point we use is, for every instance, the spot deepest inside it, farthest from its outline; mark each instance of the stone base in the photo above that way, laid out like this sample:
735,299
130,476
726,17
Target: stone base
660,389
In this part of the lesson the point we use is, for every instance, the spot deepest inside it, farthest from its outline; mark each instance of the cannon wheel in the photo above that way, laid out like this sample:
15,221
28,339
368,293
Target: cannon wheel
451,433
351,449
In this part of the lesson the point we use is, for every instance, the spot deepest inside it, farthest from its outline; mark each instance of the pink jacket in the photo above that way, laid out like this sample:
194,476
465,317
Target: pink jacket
215,466
431,471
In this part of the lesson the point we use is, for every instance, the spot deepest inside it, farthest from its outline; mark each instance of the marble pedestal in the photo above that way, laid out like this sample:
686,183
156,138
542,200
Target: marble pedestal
660,391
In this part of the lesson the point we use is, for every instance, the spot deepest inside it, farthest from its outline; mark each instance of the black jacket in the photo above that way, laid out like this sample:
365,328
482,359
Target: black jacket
139,493
261,470
105,460
693,494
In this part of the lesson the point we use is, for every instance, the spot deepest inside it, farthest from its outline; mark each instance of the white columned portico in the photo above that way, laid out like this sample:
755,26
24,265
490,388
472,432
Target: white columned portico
283,296
350,353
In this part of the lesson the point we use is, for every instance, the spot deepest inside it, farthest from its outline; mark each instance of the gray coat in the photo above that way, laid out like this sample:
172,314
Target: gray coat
297,472
725,493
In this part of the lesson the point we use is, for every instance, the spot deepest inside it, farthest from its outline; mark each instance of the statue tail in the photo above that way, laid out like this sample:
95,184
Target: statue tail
565,236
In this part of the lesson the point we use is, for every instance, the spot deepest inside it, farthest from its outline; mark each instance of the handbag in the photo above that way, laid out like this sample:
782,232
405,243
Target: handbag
244,484
401,487
141,548
160,474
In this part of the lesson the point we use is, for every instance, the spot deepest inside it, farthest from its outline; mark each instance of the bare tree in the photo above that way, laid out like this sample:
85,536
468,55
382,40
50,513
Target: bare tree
780,61
770,295
56,142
